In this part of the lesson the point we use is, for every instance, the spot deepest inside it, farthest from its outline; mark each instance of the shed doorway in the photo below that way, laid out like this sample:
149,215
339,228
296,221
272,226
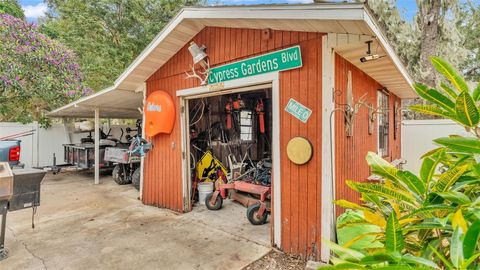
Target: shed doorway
229,150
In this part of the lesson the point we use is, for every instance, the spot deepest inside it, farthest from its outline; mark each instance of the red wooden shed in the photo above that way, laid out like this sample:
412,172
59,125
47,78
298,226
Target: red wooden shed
345,60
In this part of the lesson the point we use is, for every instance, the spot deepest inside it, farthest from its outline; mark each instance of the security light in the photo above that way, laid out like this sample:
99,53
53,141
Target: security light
370,56
199,57
198,54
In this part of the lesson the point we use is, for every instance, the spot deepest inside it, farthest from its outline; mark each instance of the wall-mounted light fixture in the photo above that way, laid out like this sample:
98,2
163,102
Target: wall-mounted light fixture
199,57
369,55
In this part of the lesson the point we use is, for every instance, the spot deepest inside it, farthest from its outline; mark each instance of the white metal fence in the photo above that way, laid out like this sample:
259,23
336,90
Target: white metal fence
418,136
38,149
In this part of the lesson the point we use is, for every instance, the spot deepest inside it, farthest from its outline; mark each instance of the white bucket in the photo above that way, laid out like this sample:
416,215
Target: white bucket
204,189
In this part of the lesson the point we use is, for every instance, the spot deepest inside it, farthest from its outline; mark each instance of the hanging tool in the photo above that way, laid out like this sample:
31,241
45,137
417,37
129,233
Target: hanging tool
228,110
260,110
238,104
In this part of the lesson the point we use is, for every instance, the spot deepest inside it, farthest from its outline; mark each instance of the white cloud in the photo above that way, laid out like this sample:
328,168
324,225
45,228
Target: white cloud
35,11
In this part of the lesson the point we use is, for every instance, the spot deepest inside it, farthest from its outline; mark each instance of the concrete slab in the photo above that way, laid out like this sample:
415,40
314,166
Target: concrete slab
232,219
83,226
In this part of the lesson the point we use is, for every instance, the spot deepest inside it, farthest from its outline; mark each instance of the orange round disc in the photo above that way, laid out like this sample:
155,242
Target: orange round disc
159,113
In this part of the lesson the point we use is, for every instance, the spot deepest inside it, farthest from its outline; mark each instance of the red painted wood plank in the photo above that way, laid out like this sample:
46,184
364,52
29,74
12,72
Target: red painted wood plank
350,152
285,175
315,105
303,132
301,209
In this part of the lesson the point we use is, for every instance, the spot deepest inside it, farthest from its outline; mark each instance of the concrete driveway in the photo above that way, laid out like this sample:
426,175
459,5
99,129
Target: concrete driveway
83,226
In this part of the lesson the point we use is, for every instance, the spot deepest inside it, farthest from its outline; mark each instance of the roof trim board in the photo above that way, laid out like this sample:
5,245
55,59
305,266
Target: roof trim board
386,45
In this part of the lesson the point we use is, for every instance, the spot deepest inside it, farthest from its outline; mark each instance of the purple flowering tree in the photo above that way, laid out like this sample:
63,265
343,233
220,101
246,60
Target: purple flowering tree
37,74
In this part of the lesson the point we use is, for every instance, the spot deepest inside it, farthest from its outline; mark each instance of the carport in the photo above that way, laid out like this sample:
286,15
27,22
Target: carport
110,103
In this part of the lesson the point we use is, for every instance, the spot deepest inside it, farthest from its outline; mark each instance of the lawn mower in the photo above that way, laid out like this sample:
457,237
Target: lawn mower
251,189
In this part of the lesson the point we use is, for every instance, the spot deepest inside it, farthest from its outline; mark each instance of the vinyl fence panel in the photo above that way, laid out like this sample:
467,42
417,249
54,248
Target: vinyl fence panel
38,149
418,136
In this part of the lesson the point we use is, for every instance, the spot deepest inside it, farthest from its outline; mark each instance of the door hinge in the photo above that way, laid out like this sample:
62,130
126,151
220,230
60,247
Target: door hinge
182,109
183,154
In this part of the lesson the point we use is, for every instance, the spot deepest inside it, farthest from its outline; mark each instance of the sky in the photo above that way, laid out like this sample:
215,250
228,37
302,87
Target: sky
36,8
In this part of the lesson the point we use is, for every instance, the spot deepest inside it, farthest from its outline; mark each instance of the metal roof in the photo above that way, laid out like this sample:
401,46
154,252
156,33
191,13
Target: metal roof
112,103
345,20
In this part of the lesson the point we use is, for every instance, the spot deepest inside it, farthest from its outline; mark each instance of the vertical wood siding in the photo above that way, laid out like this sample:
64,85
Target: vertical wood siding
300,185
350,152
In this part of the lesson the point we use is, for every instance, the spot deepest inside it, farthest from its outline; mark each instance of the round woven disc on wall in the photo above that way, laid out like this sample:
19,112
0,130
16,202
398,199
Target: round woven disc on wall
299,150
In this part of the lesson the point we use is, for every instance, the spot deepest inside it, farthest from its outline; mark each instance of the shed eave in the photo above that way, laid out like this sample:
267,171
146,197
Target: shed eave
343,11
324,18
196,18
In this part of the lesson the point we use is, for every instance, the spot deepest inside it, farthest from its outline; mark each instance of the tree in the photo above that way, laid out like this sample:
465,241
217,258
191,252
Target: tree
469,25
108,34
403,35
11,7
433,31
438,29
37,74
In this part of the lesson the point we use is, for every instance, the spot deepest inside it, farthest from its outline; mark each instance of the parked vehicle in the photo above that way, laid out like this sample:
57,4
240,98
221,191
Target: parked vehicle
127,158
10,152
10,147
82,155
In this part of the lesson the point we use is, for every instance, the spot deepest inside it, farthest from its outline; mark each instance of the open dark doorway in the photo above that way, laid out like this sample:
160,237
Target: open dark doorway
230,161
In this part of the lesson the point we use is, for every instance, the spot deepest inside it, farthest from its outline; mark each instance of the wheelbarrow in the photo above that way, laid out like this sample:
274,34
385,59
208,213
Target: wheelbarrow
255,197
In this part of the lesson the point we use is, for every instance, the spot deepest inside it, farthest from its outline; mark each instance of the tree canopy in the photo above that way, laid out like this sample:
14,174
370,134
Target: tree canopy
108,34
433,31
11,7
448,29
469,25
37,74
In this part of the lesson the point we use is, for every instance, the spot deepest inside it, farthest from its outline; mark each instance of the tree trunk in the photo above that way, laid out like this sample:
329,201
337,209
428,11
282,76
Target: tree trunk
429,18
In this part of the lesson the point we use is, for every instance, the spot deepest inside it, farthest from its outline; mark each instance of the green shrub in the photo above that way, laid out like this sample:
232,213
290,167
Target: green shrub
430,220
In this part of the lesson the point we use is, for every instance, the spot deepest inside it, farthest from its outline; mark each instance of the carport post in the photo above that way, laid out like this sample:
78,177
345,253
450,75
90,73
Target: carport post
97,146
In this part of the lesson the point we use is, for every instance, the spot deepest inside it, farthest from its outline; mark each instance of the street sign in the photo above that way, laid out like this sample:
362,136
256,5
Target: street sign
299,111
285,59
